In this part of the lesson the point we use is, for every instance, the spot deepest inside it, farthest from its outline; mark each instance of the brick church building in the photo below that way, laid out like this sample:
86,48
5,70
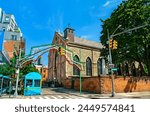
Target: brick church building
62,67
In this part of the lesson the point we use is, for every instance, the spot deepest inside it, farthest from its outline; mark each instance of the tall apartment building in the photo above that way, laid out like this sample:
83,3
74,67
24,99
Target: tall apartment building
12,39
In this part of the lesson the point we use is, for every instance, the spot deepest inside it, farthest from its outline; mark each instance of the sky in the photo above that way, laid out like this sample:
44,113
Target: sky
39,19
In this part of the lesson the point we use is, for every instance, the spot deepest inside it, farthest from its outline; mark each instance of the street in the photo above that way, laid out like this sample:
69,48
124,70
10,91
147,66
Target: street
62,93
55,93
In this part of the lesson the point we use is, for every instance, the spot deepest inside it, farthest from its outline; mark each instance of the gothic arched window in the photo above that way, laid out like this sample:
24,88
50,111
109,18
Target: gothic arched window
99,67
88,67
76,70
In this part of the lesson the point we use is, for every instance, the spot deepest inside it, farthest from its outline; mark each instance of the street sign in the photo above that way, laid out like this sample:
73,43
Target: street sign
114,69
111,65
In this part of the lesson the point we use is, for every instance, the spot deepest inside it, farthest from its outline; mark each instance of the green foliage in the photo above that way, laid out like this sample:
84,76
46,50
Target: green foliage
133,46
7,70
27,69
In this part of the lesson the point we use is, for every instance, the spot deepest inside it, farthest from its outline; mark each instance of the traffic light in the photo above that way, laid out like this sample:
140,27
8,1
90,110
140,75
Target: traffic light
115,44
61,51
111,43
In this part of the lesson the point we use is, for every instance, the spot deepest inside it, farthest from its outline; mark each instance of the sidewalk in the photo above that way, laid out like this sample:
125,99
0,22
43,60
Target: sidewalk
6,96
130,95
133,95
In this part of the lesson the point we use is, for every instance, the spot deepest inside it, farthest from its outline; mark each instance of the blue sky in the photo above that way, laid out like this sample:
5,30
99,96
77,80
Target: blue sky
39,19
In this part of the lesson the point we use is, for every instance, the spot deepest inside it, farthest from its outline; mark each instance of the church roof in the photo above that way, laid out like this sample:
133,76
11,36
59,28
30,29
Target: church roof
82,41
90,43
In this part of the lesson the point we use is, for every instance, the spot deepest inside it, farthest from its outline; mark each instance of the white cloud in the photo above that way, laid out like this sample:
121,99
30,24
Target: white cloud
86,36
111,3
107,4
103,10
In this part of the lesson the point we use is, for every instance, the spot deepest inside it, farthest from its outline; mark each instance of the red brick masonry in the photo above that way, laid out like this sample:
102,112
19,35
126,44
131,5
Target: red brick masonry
103,84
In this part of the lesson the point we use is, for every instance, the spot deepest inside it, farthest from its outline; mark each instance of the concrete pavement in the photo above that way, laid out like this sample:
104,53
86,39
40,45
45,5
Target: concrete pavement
131,95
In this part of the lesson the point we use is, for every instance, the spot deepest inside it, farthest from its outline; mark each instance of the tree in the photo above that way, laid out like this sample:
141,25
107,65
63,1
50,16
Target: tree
133,46
9,70
28,68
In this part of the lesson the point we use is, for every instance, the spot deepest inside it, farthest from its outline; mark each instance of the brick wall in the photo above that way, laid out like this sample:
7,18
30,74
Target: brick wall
9,46
103,84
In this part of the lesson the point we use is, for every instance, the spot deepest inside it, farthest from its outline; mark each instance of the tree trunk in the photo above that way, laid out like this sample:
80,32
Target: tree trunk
148,68
147,60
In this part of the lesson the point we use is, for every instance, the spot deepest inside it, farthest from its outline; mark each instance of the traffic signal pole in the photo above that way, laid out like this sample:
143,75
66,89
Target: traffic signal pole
110,62
115,47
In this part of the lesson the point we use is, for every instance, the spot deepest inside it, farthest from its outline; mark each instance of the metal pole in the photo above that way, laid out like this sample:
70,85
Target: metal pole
129,30
80,76
17,73
110,62
10,88
110,56
1,87
80,84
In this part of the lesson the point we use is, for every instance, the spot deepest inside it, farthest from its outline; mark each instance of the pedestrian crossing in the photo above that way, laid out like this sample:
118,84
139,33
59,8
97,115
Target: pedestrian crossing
53,97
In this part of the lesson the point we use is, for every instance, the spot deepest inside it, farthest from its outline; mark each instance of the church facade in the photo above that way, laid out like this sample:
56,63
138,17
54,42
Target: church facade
80,57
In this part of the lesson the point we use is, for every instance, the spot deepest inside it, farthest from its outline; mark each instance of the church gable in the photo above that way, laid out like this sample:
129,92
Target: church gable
58,39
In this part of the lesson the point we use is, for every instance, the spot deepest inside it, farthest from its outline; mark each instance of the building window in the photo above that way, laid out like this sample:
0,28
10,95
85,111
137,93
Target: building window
99,67
56,38
7,18
29,83
56,59
36,83
3,28
76,70
88,67
13,37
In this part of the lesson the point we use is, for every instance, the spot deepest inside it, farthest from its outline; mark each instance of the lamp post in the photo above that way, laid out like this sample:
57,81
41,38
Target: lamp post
110,56
110,60
17,73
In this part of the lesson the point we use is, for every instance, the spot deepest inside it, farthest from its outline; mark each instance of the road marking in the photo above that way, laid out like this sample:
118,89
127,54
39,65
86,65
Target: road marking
46,97
60,97
67,97
73,97
41,98
54,97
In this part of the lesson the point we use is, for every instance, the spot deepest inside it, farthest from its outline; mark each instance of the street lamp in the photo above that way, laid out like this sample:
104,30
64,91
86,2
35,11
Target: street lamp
17,73
116,30
110,59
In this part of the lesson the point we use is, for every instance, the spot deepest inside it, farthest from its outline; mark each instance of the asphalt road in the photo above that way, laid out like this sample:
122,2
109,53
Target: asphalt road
62,93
